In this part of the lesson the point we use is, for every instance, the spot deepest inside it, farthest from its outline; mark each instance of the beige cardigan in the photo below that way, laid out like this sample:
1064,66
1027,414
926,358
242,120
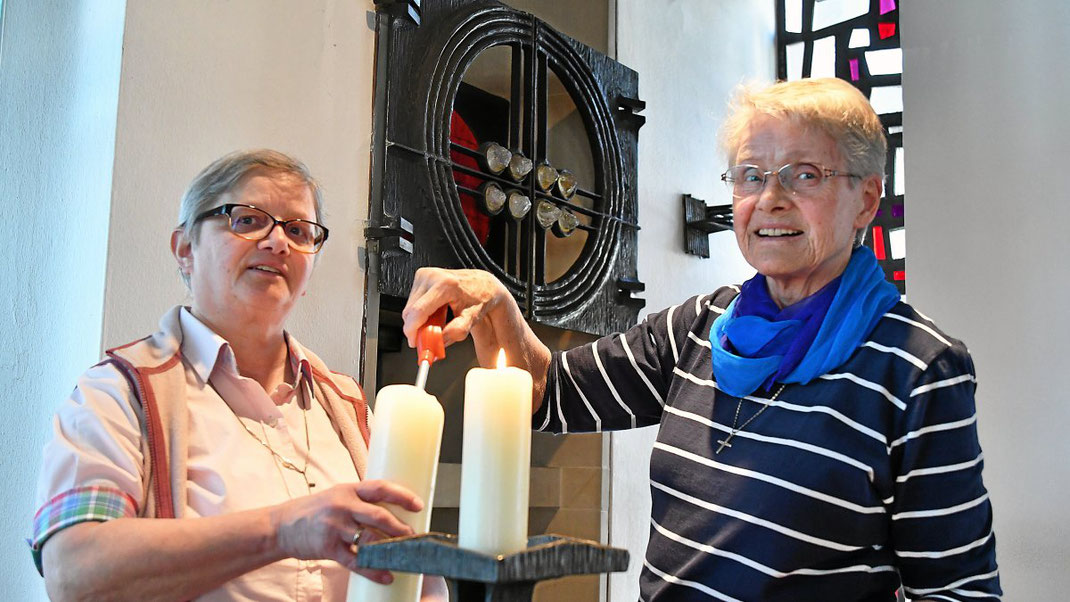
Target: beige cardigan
154,368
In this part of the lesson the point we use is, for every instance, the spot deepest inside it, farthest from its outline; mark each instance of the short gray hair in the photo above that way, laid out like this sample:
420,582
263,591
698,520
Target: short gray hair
224,174
830,105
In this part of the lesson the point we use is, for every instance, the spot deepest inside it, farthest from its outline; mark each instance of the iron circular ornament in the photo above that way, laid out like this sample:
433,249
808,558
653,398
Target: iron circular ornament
458,41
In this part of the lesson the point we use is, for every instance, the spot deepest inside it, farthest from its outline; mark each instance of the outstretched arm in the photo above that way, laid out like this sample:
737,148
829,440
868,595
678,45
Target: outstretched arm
142,559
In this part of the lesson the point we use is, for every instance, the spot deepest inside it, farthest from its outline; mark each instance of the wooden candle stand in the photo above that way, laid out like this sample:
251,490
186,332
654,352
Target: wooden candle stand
478,577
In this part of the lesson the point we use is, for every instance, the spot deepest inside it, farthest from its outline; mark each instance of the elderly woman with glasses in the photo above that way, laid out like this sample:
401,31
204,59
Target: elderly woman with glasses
816,435
218,458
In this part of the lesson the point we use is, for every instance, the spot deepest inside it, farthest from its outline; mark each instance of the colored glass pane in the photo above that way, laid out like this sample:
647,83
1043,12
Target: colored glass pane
900,179
895,129
831,12
897,210
859,38
794,54
885,62
899,275
854,69
878,243
887,99
887,6
885,30
824,61
793,16
897,242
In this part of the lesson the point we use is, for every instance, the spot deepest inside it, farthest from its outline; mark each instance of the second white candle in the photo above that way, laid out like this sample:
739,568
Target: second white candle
495,460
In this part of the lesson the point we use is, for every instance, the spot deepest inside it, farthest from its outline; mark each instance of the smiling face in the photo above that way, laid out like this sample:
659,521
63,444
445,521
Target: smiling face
800,243
233,280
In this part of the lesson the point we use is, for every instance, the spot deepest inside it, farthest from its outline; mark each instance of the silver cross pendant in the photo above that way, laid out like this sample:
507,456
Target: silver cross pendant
724,443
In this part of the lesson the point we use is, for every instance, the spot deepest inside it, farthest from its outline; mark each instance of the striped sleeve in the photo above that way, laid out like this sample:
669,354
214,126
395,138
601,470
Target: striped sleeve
619,381
941,515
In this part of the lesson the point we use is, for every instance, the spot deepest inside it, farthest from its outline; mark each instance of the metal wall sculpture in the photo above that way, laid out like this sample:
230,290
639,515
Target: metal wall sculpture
432,171
856,40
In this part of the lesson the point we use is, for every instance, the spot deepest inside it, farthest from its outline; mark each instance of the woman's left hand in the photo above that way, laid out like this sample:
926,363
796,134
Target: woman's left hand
326,524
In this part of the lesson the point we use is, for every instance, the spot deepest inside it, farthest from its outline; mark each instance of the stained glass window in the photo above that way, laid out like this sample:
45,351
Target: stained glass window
856,40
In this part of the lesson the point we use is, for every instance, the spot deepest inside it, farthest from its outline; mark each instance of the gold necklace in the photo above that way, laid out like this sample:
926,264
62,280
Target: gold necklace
726,442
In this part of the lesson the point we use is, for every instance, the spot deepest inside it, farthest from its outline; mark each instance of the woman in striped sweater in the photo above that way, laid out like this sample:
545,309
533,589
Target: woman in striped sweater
817,436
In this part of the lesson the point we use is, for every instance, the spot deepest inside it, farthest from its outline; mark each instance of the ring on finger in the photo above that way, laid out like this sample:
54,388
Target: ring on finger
356,535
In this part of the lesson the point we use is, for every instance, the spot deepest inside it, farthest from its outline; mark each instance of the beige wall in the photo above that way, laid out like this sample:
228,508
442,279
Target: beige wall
202,78
985,128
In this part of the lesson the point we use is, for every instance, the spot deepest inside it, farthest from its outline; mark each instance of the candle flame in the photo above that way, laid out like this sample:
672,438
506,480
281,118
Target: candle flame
501,358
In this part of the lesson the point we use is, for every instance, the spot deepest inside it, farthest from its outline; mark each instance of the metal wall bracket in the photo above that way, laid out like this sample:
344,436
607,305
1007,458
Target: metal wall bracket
700,220
401,9
626,288
628,110
397,235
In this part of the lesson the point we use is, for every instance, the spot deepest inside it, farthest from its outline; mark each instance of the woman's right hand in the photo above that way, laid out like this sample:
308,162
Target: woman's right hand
484,308
471,294
325,524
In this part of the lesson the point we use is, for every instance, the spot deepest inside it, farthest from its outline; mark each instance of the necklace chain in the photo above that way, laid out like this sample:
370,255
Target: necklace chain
276,457
281,458
727,441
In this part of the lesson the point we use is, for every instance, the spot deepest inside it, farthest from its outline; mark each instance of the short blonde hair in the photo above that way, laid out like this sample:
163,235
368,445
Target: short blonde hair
831,105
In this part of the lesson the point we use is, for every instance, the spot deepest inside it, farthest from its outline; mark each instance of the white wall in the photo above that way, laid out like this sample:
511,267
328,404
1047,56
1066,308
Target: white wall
59,85
690,54
202,78
985,131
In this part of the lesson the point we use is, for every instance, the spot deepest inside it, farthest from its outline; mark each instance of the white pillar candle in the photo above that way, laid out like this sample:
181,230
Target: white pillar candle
495,460
406,437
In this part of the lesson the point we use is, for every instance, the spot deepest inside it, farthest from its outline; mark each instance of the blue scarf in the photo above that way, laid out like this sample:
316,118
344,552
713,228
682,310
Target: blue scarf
755,343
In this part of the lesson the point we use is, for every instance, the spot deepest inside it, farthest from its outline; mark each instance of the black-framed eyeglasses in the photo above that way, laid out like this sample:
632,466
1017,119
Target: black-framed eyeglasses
802,179
253,223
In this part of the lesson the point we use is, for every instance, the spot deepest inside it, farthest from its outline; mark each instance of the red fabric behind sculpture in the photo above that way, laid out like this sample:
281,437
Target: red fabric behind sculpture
461,134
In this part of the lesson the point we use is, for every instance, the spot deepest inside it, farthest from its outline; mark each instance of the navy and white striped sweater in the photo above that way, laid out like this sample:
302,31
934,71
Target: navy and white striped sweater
867,478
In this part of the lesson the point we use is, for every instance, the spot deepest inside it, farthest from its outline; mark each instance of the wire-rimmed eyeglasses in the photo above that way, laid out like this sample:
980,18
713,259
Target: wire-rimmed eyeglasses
253,223
798,178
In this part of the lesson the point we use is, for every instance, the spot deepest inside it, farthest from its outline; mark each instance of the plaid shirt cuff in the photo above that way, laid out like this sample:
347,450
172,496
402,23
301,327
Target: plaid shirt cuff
91,503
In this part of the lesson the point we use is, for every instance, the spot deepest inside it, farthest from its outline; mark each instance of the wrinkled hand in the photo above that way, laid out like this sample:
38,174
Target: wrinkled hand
469,293
324,525
484,308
